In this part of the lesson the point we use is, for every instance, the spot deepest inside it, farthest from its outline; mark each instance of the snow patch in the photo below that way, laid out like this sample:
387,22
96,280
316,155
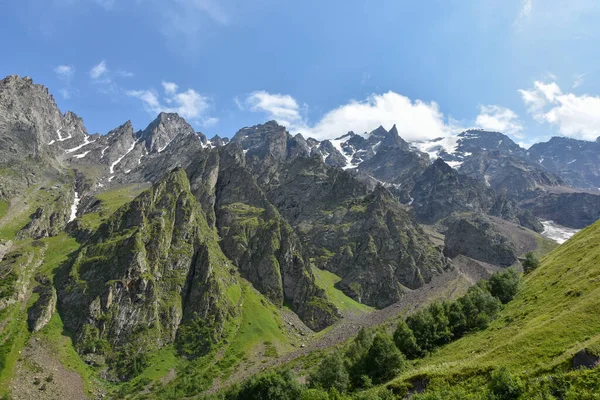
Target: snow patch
104,151
337,143
454,164
61,138
113,165
74,206
558,233
82,154
436,146
85,143
165,146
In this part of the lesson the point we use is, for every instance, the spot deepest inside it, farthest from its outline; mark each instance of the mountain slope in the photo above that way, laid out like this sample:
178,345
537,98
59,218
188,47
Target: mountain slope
551,319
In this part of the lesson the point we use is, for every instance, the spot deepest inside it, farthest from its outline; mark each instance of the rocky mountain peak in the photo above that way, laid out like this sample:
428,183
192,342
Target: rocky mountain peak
161,131
266,140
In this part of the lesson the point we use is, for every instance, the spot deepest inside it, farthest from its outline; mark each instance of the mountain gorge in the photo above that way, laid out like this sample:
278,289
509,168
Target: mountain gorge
218,253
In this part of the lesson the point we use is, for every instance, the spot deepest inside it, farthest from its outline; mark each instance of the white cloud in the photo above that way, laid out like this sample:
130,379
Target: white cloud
124,74
98,71
575,116
539,97
524,12
65,74
415,120
188,104
64,71
578,81
170,87
499,119
282,108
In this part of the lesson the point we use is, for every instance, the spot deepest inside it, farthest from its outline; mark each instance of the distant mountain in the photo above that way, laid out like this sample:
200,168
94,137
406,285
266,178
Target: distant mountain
576,161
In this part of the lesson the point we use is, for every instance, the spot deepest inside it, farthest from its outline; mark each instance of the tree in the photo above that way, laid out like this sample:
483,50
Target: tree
441,325
383,361
479,307
456,319
505,285
423,327
331,373
530,263
360,345
271,386
406,342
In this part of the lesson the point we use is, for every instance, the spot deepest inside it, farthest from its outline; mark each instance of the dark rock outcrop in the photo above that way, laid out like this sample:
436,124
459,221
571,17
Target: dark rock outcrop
585,358
475,236
39,314
573,210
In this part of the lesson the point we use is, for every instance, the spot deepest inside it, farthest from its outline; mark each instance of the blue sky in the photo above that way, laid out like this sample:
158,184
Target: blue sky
527,67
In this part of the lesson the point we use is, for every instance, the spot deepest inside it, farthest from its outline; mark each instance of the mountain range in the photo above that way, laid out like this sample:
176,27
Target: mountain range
162,241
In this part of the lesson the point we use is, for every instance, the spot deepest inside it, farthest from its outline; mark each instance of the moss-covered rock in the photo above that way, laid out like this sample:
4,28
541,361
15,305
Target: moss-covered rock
152,267
39,314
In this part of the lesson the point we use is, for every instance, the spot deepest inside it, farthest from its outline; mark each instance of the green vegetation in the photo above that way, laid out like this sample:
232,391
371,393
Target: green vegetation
331,373
536,335
442,322
327,280
530,263
3,207
110,201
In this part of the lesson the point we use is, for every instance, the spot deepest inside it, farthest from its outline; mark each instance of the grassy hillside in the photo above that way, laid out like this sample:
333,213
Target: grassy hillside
327,280
553,317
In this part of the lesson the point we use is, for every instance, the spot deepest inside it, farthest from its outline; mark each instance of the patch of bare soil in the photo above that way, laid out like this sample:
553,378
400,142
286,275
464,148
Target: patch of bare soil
40,375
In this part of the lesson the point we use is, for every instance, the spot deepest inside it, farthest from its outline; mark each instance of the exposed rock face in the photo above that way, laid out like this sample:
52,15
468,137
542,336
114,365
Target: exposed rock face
495,159
441,191
576,161
506,173
154,265
16,270
29,121
395,162
5,246
475,236
573,210
264,246
41,311
367,239
49,219
165,128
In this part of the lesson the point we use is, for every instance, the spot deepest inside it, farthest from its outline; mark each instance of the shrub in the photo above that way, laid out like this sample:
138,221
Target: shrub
271,386
530,262
505,386
194,338
476,302
505,285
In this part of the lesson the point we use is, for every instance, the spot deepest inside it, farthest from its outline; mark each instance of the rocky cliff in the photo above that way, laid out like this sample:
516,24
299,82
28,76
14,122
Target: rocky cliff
154,266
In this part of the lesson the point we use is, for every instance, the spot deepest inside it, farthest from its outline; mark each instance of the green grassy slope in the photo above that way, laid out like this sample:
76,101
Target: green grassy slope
327,280
554,316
